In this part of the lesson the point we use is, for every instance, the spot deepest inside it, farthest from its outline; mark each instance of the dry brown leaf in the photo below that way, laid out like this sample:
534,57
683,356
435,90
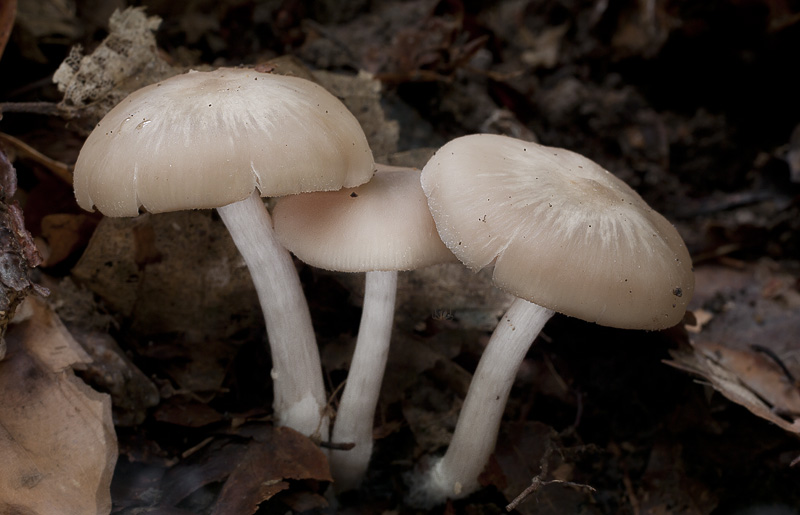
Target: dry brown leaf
57,441
280,454
211,463
65,233
747,378
184,412
745,344
8,12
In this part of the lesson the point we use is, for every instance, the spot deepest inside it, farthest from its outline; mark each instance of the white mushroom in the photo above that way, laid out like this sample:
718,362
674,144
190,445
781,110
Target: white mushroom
217,140
564,235
379,228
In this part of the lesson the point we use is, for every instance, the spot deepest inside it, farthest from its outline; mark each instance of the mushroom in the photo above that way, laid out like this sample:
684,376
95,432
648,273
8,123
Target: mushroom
564,235
217,140
379,228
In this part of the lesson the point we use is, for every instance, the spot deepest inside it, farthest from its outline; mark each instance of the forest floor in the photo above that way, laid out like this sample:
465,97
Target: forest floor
695,105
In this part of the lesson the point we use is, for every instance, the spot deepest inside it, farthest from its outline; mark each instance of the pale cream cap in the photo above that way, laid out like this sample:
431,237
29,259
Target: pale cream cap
560,230
208,139
383,225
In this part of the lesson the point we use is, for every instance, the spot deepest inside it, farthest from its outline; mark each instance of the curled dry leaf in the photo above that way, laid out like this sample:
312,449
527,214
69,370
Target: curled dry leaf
746,377
745,339
57,443
125,61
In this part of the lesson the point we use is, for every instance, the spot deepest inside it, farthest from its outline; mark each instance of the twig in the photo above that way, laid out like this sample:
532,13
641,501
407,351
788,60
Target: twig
191,450
340,446
635,506
59,169
537,483
46,108
317,439
60,109
774,357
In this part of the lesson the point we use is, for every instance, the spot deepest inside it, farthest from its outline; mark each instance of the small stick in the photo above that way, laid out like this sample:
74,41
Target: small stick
536,484
46,108
59,169
774,357
341,446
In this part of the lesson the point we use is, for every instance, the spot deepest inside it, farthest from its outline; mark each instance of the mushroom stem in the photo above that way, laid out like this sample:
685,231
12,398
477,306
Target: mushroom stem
456,474
299,391
357,409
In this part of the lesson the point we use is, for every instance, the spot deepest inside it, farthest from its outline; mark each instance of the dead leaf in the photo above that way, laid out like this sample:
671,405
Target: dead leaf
302,501
746,349
112,371
211,464
125,61
758,372
701,317
667,489
66,233
180,411
747,378
281,454
171,273
57,441
8,12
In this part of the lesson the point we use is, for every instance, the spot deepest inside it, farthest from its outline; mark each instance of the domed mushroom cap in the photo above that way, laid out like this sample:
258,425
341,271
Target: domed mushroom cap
384,225
208,139
561,231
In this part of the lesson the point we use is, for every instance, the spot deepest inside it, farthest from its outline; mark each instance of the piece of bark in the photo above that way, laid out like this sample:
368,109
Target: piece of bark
18,253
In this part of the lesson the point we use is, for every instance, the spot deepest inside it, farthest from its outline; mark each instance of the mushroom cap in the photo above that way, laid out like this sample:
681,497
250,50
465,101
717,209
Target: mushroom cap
561,231
208,139
383,225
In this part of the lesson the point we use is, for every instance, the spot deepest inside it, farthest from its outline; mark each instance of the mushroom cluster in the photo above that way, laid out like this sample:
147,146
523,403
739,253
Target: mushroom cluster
561,233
